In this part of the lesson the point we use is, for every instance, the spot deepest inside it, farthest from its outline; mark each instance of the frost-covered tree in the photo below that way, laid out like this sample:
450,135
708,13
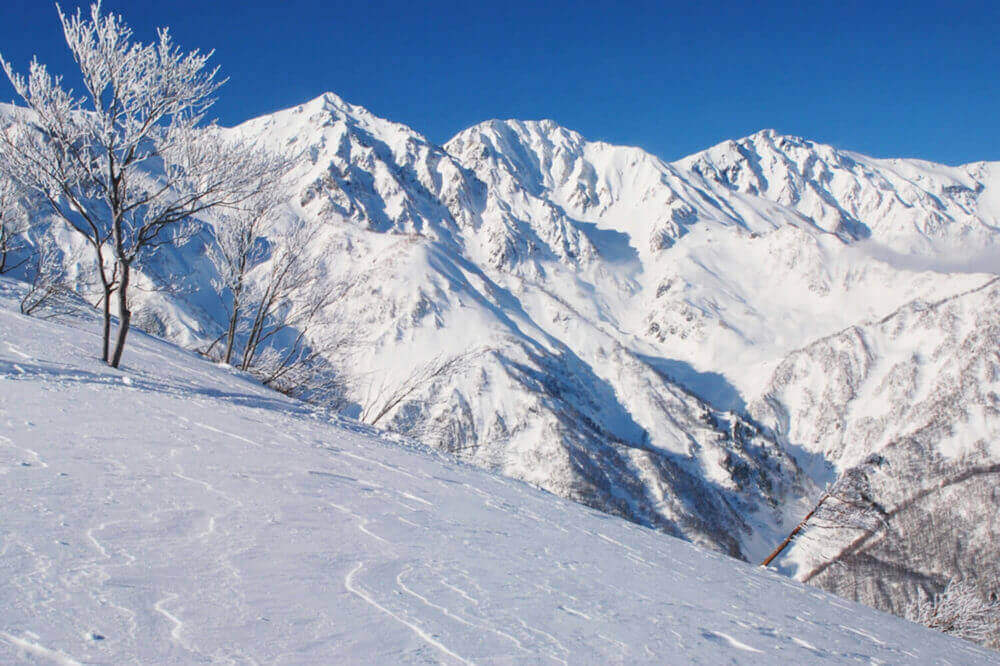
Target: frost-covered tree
239,247
381,398
13,224
848,503
48,288
130,161
283,301
961,610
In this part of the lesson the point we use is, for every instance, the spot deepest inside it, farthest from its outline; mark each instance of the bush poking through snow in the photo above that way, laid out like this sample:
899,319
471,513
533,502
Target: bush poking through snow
48,291
960,610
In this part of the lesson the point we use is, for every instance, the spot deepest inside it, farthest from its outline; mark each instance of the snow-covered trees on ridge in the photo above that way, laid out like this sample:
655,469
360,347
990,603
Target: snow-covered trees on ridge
960,610
965,608
128,163
276,296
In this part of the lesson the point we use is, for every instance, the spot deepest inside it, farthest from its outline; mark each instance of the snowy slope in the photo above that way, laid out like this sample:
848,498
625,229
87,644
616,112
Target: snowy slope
177,513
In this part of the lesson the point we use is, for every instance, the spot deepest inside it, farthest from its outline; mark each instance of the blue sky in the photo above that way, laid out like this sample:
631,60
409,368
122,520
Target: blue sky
915,79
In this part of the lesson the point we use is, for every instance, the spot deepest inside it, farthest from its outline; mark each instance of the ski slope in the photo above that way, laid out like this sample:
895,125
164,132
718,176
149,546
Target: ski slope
176,513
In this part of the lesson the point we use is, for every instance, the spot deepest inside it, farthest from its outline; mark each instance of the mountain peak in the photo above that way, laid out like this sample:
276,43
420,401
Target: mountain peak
329,97
778,140
754,147
330,101
546,127
766,133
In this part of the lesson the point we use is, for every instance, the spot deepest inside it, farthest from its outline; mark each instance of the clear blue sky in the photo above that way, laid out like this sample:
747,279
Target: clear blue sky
915,79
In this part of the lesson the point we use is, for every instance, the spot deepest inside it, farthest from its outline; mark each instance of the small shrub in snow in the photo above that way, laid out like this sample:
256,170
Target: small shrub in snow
961,610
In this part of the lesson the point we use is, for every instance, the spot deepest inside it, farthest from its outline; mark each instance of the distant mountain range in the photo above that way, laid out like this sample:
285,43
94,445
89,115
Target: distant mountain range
699,346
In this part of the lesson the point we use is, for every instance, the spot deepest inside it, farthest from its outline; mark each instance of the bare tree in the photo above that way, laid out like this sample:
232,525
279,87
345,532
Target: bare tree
851,506
281,298
13,224
239,247
48,289
961,610
287,296
382,398
848,503
130,162
869,530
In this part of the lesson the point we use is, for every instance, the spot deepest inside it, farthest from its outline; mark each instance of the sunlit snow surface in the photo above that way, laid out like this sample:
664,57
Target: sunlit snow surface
177,513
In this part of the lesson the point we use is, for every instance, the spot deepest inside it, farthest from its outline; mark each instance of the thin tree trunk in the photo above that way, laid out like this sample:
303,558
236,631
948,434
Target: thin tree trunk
4,237
250,349
106,338
234,316
3,248
793,533
109,288
231,333
124,315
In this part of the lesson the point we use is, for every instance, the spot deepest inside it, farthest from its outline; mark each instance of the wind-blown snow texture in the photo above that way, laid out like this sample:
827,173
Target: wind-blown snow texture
628,323
176,512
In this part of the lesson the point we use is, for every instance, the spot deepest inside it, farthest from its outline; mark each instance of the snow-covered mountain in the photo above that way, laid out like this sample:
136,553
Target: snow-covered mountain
551,394
175,512
769,258
912,401
626,325
908,205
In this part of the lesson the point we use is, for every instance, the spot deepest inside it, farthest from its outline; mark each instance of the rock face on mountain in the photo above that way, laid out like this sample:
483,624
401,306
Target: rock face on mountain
697,346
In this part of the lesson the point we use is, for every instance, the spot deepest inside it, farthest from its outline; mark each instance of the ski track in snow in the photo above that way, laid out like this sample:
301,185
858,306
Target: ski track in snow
209,523
33,648
424,636
178,625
